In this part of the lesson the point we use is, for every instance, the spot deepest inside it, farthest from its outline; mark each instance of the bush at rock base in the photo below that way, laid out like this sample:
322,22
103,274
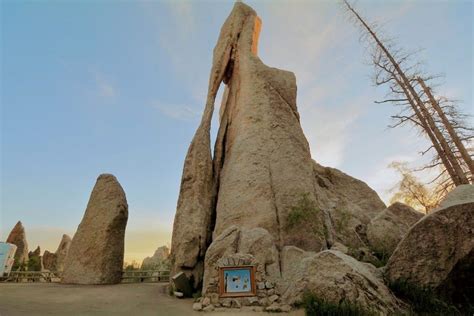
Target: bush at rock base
315,306
422,300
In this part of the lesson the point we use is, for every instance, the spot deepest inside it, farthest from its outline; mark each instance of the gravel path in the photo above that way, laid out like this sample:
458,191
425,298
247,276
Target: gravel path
135,299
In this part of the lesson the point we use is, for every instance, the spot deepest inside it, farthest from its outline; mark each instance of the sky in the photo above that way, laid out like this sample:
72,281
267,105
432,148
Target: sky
90,87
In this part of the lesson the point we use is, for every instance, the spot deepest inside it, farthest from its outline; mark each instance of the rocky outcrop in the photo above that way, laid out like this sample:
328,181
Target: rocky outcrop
35,253
438,249
96,252
159,260
262,158
387,229
55,261
18,237
62,252
351,205
35,260
335,277
257,242
260,192
49,260
262,165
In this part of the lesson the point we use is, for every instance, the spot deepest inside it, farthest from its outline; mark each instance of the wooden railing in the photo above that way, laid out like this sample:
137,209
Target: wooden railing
139,276
33,276
128,276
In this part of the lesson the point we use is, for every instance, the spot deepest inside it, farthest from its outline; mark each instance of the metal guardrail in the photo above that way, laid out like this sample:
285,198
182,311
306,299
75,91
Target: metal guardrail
128,276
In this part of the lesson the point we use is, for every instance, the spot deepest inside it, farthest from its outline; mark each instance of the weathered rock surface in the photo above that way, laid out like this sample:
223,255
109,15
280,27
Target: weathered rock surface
261,153
387,229
262,164
335,277
257,242
261,192
463,194
35,253
96,252
49,260
351,204
158,260
18,237
55,261
439,248
62,251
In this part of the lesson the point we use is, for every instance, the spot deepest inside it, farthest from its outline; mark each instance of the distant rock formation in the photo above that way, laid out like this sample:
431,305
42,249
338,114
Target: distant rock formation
62,252
35,253
387,229
49,260
159,260
96,252
35,260
18,237
55,261
438,251
261,192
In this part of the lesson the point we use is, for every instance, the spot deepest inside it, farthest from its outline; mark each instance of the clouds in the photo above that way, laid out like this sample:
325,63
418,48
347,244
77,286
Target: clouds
309,38
328,131
177,112
103,85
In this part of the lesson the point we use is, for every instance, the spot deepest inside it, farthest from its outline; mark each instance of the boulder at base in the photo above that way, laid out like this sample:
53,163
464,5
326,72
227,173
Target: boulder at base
96,252
437,252
335,277
387,229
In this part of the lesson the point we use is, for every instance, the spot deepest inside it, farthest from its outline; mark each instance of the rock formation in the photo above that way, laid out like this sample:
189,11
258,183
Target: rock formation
336,277
35,260
55,261
261,192
18,237
387,229
262,165
49,261
351,205
62,252
159,260
96,252
35,253
438,251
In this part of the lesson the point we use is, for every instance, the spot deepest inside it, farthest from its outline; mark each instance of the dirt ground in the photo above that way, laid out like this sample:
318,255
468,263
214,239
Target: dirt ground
133,299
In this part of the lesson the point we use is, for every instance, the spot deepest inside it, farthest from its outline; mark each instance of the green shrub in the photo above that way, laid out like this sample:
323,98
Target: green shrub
382,257
342,221
301,212
422,300
197,295
315,306
34,264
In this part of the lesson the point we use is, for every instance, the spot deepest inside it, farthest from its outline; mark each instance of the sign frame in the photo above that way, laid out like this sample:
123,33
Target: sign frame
222,282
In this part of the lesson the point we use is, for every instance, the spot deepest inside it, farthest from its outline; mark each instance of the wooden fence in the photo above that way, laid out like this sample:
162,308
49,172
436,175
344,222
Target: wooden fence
128,276
33,276
139,276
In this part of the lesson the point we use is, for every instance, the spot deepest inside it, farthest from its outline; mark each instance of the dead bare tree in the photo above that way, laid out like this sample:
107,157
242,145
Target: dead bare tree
408,88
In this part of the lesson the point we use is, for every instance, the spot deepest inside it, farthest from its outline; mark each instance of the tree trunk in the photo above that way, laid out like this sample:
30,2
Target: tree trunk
454,136
445,153
431,136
